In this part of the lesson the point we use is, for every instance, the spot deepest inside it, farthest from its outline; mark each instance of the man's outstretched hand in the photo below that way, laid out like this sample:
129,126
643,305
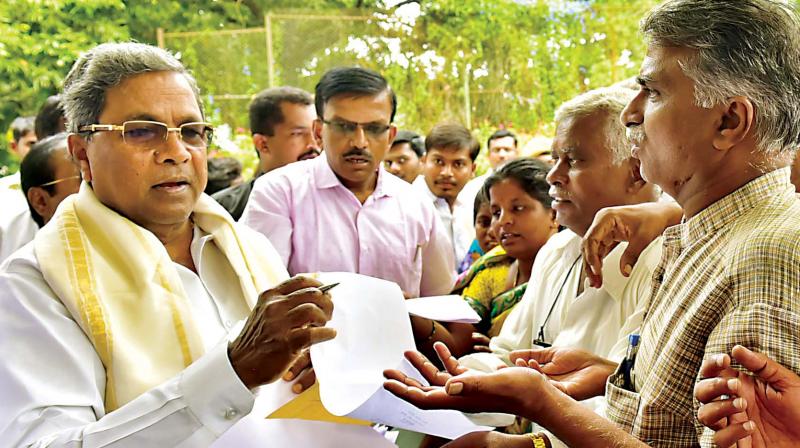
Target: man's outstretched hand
578,373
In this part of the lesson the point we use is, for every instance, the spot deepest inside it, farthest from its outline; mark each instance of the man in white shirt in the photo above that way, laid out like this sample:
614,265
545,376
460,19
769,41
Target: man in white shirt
448,164
115,322
47,176
593,170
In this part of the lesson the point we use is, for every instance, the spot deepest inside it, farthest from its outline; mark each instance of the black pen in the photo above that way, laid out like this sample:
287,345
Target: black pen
327,288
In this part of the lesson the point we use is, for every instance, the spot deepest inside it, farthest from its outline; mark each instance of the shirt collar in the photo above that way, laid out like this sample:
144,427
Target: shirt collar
324,178
422,185
199,240
756,192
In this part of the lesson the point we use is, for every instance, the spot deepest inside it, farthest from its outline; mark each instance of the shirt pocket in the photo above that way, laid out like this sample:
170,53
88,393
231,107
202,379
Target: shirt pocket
622,404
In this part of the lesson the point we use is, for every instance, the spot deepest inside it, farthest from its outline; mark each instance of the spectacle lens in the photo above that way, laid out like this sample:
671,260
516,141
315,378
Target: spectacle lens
348,128
141,133
144,133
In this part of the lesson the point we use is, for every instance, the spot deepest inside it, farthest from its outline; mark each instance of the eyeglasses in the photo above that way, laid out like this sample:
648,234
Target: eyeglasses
348,128
58,181
144,133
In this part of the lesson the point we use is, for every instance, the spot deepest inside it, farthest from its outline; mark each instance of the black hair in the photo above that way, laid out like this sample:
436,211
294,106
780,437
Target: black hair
529,173
414,140
352,82
21,126
480,199
50,119
501,133
265,109
222,171
37,168
452,136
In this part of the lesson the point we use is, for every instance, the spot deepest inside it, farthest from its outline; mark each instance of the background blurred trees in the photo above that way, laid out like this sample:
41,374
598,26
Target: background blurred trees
517,59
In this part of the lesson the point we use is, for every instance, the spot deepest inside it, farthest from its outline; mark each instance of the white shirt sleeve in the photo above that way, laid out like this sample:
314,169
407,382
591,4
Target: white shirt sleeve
636,298
52,381
438,263
268,212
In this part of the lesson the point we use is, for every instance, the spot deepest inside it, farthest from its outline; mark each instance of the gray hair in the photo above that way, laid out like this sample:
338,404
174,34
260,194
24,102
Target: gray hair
745,47
611,100
107,65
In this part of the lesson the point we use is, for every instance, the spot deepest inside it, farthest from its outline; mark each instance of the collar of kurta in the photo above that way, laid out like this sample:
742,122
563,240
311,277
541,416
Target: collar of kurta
774,187
324,178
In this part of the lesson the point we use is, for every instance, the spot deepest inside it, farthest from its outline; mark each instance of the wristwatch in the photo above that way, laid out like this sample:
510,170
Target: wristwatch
539,440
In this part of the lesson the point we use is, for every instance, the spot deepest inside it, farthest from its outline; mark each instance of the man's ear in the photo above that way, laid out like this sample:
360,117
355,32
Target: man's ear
260,143
735,123
635,180
38,199
77,146
392,134
316,128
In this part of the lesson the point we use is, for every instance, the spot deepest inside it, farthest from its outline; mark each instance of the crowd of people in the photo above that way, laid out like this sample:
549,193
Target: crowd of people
641,287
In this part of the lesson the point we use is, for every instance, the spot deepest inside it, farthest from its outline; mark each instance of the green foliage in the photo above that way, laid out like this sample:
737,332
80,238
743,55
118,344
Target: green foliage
39,40
518,59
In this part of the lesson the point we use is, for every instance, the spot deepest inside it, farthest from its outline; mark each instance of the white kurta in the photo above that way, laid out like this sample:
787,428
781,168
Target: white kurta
17,228
52,380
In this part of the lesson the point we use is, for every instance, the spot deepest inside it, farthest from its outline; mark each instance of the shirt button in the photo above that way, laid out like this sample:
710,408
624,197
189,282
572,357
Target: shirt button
231,413
228,324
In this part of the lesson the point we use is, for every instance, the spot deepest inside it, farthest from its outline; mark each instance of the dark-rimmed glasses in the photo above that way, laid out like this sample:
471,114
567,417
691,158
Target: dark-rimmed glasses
348,128
145,133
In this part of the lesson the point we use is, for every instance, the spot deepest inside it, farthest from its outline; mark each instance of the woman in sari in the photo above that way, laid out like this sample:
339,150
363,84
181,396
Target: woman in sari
522,221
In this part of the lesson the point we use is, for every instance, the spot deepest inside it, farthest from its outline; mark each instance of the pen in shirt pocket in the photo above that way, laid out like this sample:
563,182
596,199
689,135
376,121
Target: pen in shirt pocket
417,253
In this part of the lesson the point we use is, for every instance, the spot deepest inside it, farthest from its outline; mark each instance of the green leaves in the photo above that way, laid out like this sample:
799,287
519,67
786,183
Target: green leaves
520,58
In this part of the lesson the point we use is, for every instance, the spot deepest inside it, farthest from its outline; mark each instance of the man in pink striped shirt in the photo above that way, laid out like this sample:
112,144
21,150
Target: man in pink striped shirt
343,211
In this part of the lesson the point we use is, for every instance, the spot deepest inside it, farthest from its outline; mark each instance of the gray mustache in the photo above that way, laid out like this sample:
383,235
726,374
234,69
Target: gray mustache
635,133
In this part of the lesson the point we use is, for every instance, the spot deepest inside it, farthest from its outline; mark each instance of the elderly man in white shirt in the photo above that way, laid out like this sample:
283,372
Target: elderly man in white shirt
589,174
115,322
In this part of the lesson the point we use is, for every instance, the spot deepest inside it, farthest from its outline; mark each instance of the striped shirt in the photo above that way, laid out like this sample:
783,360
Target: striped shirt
729,275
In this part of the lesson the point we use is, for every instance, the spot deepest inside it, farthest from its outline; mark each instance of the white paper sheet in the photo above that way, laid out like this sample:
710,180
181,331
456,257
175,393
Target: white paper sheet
452,308
373,332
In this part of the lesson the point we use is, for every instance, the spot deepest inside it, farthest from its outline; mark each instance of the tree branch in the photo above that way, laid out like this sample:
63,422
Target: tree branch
406,2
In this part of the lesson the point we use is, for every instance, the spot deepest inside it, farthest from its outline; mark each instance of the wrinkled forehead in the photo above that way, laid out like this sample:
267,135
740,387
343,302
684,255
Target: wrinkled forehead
155,96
